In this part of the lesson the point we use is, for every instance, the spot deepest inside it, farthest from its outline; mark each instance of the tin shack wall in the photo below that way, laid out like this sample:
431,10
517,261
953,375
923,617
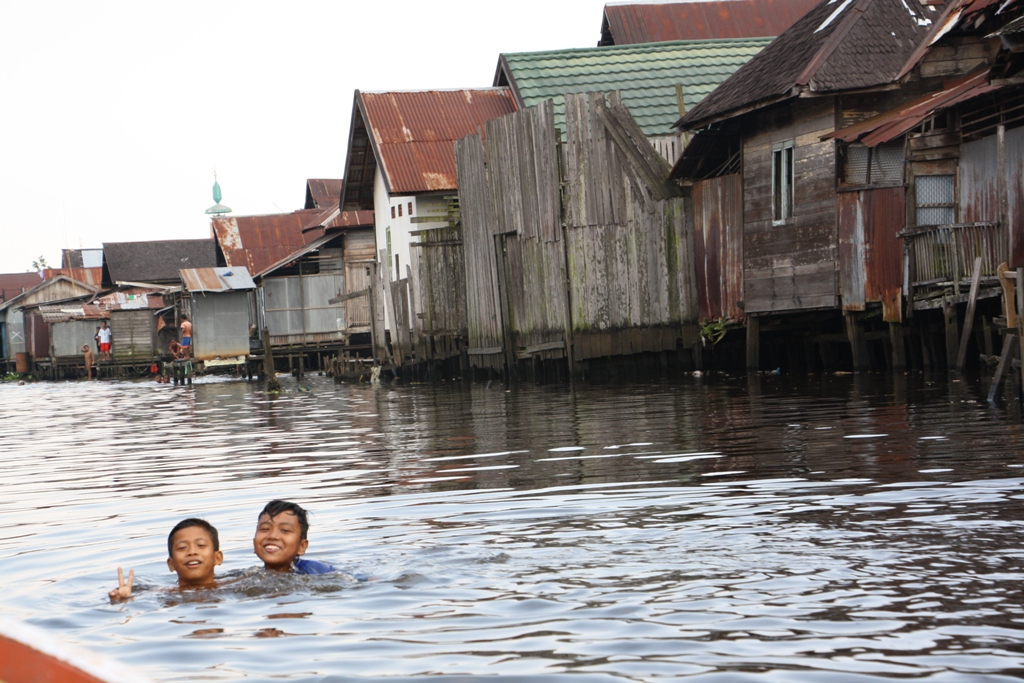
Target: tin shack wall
220,324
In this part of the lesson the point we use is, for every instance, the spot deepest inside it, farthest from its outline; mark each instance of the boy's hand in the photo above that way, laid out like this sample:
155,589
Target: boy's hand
123,590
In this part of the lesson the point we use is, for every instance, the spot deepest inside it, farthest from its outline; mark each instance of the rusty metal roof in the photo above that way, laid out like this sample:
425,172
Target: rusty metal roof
255,242
322,193
294,256
216,279
90,276
334,218
892,124
655,23
839,45
411,135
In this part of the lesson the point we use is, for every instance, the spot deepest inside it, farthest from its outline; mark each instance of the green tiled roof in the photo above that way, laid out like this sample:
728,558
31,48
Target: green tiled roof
646,75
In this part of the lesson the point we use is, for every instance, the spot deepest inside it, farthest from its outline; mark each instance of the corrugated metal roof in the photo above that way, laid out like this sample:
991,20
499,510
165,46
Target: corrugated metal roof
652,23
645,75
336,218
836,46
13,284
91,276
892,124
255,242
413,133
291,258
321,193
131,298
216,279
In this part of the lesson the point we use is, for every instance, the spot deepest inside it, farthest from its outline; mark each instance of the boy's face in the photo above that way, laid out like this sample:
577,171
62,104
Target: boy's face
278,540
193,557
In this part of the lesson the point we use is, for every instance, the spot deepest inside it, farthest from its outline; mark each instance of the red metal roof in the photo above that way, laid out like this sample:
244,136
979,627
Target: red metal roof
321,193
256,242
892,124
413,133
333,218
655,23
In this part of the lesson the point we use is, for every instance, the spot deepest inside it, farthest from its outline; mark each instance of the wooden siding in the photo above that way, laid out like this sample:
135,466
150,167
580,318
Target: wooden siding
359,259
439,292
718,246
793,265
133,334
483,318
1015,194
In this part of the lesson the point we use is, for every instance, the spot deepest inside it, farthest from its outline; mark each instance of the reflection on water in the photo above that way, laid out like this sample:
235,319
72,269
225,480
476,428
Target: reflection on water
861,528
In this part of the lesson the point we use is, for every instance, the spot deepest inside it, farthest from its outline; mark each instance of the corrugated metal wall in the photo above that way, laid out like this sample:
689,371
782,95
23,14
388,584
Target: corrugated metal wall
67,338
718,246
220,325
1015,183
870,253
297,311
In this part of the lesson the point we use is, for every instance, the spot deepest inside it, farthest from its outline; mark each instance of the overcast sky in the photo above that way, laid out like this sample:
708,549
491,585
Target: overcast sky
115,114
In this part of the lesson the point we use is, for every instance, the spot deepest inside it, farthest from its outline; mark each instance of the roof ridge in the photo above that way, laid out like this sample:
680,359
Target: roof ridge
835,39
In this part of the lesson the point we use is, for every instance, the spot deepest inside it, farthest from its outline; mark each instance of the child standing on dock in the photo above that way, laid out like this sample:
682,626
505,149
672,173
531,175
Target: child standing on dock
106,336
280,539
88,360
193,551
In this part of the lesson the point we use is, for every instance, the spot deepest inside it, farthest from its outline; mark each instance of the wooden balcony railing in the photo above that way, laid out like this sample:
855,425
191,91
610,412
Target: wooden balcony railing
943,255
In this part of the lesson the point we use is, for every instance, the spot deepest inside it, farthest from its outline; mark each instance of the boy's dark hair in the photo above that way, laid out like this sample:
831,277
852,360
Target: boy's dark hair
276,507
188,523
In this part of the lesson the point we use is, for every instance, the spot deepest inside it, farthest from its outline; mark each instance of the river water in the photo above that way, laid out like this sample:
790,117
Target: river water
849,529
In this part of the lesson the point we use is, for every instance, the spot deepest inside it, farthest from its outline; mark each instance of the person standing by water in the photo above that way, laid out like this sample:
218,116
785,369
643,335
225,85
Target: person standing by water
106,336
88,360
186,336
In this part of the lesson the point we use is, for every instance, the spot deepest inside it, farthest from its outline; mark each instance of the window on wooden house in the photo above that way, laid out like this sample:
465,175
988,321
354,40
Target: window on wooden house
881,165
783,175
935,200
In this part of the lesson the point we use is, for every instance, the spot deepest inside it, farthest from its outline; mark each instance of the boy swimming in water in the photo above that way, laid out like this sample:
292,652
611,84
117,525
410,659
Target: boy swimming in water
193,551
280,539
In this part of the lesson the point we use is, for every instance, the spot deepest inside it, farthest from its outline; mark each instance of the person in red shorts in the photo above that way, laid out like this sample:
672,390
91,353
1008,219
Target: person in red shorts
106,338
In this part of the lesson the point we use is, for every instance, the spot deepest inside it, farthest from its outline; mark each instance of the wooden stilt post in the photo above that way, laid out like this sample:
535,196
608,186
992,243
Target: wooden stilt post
952,333
899,351
855,333
1005,358
972,302
753,343
1020,322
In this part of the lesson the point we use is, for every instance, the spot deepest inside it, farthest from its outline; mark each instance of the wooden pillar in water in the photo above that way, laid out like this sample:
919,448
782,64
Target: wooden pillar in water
899,351
952,333
972,303
855,333
753,343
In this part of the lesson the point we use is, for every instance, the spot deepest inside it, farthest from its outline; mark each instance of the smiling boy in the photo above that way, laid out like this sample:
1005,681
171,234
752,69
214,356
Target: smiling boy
280,539
193,551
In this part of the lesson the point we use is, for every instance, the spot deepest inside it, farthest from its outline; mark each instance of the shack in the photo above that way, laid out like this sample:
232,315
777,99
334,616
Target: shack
222,309
24,331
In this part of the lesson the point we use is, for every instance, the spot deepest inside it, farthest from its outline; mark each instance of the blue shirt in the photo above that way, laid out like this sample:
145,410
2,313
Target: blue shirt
301,566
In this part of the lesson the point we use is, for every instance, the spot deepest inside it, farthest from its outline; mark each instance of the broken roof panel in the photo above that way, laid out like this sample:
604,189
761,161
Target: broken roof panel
646,76
216,279
892,124
659,22
255,242
156,261
839,45
412,136
334,219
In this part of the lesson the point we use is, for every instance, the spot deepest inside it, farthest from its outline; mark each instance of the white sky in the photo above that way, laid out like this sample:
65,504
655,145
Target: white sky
115,114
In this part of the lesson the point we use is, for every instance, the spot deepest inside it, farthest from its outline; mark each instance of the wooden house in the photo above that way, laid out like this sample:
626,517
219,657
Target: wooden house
400,162
23,329
763,172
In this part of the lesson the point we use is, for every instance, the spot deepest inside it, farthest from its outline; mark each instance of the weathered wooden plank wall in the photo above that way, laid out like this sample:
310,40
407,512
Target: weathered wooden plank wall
438,284
629,248
523,182
483,320
718,246
791,265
